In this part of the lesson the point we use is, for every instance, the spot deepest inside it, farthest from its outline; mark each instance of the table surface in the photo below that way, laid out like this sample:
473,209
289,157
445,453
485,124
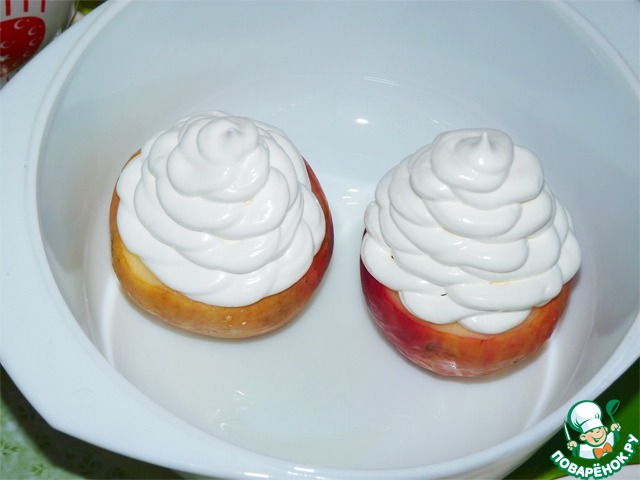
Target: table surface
30,448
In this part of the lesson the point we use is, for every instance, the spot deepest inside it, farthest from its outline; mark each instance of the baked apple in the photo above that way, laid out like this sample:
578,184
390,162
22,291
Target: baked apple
467,258
219,227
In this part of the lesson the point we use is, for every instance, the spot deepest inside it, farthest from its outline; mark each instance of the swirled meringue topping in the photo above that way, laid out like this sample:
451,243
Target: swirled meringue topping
467,230
220,208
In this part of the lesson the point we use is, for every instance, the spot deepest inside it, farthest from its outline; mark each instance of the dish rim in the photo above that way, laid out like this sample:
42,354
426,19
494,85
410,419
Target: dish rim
615,366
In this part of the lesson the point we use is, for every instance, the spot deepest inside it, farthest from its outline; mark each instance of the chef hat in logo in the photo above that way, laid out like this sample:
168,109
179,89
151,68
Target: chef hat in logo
585,416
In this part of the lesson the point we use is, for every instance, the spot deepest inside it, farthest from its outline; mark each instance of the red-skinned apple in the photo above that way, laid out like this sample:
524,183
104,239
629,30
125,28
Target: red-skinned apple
452,349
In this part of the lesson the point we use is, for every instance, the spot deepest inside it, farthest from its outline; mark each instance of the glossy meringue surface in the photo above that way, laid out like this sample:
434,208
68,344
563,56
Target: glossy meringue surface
467,230
220,209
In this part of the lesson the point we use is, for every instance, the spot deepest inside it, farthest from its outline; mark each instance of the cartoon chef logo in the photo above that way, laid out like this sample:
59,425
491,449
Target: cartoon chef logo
596,450
596,440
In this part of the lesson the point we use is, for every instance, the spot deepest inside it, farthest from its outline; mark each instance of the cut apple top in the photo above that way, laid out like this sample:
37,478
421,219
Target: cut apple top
220,208
467,230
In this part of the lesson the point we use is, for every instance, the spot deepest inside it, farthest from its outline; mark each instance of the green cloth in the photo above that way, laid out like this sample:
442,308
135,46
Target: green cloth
86,6
31,449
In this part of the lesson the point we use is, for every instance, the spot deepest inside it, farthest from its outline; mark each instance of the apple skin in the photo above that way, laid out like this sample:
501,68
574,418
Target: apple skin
259,318
452,349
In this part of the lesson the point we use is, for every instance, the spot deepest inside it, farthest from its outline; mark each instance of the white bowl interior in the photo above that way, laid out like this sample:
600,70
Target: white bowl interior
357,87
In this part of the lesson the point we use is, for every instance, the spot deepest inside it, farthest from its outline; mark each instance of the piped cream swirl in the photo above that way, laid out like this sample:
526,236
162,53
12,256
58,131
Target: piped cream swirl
220,208
466,229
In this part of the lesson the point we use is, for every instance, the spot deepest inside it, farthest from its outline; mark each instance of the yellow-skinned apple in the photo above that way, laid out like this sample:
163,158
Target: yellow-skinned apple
264,316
